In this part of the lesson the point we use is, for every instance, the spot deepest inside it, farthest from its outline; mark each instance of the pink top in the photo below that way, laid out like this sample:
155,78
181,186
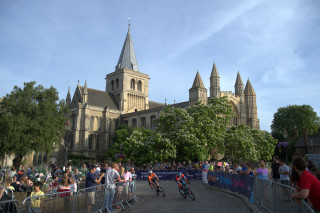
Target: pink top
127,176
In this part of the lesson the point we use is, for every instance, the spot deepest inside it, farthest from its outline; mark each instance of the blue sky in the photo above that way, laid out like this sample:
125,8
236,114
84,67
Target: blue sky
274,43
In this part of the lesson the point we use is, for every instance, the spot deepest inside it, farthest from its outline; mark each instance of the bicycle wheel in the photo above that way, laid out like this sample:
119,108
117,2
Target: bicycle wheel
182,193
191,195
161,191
157,190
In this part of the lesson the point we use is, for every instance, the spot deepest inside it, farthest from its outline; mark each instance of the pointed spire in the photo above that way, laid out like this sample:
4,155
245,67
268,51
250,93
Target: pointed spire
249,91
127,57
197,83
68,95
85,89
239,80
214,73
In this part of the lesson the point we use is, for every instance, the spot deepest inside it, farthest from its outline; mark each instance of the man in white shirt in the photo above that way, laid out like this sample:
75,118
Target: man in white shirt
284,172
111,177
128,178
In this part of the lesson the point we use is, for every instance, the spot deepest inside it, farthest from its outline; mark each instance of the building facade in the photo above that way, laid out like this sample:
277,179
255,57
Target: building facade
94,114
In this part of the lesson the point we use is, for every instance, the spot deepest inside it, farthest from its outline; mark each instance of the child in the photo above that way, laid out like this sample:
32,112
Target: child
36,202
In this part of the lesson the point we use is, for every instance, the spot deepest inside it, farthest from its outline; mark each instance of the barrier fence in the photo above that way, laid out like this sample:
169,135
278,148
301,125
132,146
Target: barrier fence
66,202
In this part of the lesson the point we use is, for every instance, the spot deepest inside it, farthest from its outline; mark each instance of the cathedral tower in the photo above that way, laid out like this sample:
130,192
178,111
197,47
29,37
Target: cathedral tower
198,93
214,83
240,93
250,101
129,86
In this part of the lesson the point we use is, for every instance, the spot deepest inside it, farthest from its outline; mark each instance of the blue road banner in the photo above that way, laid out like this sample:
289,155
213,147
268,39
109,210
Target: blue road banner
242,184
170,174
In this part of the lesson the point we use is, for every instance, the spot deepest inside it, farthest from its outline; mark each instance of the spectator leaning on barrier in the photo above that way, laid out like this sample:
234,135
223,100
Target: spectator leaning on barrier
308,186
275,169
91,181
262,171
284,172
111,177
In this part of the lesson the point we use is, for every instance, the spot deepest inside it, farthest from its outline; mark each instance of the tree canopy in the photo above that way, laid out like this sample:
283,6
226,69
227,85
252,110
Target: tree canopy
294,117
193,134
31,119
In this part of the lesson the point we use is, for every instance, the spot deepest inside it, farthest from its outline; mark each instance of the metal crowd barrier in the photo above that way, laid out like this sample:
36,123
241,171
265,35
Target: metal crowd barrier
66,202
275,197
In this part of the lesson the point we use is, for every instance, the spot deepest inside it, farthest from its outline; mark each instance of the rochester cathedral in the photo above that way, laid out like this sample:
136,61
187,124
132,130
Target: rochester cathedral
95,114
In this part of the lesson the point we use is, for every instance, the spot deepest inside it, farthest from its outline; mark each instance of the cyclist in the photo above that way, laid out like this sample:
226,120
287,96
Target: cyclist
180,177
152,178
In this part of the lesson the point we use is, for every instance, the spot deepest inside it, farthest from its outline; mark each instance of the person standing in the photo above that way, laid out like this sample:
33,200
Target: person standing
111,177
205,168
262,171
284,172
91,181
275,169
308,186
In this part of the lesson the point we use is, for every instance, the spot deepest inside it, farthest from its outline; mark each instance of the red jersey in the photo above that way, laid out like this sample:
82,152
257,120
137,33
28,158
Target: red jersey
309,181
182,177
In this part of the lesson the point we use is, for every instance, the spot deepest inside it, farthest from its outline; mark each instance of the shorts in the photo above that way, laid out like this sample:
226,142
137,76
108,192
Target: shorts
152,180
91,198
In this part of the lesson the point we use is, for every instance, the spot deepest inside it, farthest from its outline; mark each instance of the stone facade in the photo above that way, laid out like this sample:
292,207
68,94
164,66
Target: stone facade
94,114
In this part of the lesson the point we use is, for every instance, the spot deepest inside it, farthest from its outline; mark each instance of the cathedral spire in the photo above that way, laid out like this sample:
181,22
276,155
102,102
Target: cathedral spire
68,99
85,93
249,91
197,83
214,72
127,57
239,80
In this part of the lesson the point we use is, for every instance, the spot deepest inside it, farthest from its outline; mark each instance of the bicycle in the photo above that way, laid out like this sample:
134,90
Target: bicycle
158,188
185,191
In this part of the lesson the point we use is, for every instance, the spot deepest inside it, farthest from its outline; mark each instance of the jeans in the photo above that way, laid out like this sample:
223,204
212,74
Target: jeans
109,198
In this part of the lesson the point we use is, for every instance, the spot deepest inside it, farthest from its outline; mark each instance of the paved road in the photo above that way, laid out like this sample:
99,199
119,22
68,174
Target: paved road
207,200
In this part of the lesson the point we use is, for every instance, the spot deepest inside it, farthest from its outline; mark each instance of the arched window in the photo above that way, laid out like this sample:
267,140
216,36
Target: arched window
139,85
99,124
143,122
125,123
112,85
98,142
132,84
117,83
134,123
91,124
90,141
152,121
74,119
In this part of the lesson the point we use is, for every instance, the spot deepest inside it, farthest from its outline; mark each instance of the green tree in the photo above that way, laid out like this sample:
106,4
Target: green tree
31,119
294,117
243,143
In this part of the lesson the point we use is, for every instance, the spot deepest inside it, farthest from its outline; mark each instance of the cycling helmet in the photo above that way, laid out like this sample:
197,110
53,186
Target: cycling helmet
150,171
179,174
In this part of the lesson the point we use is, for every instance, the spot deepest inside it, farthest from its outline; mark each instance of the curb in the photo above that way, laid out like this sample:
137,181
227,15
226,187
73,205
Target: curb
244,199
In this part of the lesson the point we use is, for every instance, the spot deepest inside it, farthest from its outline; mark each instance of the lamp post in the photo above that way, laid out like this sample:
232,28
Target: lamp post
285,136
67,126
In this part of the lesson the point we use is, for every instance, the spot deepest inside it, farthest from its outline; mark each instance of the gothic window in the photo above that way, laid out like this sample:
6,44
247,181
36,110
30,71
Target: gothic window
125,123
91,124
132,84
112,85
152,121
97,142
139,86
134,123
90,141
117,83
143,122
99,124
74,119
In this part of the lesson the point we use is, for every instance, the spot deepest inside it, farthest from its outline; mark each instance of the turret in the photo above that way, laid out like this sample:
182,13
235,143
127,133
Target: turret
242,117
251,105
68,99
214,83
198,93
85,93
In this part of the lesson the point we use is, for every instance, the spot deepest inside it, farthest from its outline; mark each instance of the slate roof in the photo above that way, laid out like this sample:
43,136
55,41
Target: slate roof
101,99
153,104
127,57
315,141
